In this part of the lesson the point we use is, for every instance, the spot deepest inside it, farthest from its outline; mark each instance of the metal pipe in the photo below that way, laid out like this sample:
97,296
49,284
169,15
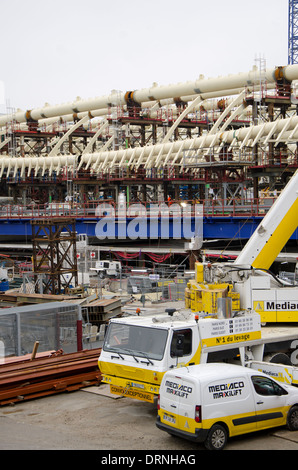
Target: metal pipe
201,86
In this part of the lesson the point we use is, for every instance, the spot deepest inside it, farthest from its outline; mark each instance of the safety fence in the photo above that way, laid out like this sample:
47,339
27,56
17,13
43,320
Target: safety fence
53,325
169,289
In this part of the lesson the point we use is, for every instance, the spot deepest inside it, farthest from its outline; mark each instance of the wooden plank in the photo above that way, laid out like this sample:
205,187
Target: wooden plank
105,304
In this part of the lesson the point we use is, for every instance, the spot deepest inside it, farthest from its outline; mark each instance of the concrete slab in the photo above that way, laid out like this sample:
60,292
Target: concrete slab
102,390
286,434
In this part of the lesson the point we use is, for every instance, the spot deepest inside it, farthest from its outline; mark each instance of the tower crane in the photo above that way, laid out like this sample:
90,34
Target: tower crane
293,32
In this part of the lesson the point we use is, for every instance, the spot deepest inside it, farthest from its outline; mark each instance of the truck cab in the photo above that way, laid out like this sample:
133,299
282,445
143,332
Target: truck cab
138,351
107,268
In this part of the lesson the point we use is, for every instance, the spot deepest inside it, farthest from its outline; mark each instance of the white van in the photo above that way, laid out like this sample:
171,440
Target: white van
211,402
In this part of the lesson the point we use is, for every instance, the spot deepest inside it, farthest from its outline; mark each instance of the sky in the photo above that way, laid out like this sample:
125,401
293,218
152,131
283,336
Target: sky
53,51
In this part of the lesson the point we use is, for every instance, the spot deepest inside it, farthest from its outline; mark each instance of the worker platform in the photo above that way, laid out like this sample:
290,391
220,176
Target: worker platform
218,222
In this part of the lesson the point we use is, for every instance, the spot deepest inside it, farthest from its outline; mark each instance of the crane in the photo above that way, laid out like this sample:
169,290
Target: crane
248,280
293,32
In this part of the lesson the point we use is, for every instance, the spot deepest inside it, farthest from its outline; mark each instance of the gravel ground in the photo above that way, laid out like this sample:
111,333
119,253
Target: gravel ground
92,419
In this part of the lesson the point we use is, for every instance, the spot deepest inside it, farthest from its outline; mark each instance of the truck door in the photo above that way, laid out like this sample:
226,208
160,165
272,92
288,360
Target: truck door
179,395
270,401
232,401
188,402
169,401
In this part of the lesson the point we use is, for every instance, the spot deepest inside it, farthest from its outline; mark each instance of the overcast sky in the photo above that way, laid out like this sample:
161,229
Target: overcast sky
55,50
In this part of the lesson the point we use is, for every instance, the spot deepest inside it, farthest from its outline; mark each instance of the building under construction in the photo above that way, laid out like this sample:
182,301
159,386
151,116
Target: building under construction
228,143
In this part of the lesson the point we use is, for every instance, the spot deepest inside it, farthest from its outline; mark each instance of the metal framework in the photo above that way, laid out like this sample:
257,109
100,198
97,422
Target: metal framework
293,32
148,142
54,253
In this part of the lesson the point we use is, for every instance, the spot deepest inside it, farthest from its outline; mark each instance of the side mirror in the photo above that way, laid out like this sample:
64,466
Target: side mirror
179,346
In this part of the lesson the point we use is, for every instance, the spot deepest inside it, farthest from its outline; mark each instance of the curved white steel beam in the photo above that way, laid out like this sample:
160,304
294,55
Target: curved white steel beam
56,148
186,111
227,110
89,146
148,154
5,142
38,163
282,132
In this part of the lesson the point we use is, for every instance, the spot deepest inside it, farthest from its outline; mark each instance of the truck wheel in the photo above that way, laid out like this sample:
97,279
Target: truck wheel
278,358
292,419
217,438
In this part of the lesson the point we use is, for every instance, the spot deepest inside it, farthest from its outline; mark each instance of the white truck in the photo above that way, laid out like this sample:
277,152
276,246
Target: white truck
211,402
107,268
138,350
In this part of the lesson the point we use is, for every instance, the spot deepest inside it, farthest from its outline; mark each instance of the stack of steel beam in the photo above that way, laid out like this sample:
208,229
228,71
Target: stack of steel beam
22,379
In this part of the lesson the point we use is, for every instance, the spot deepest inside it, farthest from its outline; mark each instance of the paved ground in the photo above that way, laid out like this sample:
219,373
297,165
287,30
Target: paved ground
94,420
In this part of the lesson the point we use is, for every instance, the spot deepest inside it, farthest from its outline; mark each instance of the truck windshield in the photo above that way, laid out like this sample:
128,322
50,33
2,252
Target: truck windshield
137,341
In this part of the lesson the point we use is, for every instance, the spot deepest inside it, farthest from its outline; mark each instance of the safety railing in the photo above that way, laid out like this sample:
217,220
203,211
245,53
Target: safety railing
215,207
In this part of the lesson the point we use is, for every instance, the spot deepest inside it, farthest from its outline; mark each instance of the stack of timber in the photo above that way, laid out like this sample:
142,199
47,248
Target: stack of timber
25,378
16,298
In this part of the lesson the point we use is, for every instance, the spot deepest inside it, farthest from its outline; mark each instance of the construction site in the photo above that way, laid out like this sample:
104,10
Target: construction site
174,200
227,144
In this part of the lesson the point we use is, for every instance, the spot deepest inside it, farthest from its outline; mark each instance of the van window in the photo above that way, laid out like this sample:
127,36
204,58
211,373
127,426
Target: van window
187,343
266,386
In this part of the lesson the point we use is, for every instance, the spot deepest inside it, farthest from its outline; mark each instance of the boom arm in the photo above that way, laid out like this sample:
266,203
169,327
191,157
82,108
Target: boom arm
274,231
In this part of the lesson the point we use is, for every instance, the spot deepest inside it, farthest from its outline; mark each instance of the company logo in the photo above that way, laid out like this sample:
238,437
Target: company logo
260,306
226,390
137,221
281,305
177,389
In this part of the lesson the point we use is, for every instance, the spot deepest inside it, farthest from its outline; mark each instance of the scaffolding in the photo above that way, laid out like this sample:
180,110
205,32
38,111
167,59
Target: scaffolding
54,253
